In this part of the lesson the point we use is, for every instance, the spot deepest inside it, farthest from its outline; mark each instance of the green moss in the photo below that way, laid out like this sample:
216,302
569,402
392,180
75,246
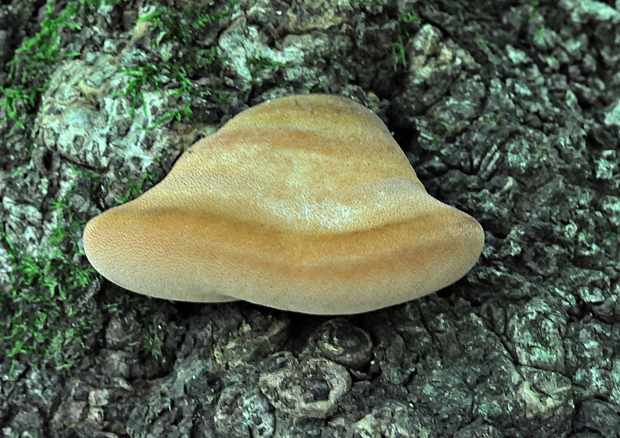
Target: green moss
29,69
264,63
47,314
136,187
44,319
183,29
398,50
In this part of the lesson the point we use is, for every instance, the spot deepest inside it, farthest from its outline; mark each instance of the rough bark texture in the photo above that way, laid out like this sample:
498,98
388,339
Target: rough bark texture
509,111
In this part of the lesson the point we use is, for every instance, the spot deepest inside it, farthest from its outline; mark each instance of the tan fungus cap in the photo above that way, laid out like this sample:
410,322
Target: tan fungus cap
303,203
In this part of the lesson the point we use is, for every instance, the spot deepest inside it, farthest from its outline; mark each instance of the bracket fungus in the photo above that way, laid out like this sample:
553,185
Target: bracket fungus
303,203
